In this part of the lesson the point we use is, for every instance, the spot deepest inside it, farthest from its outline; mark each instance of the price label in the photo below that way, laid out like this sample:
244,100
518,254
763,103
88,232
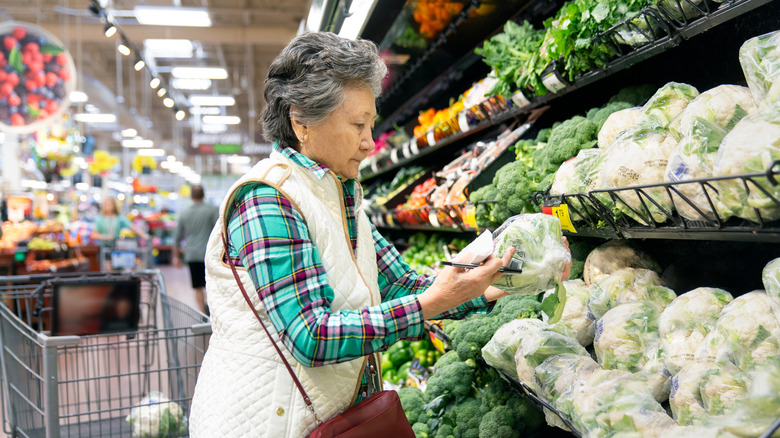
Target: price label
520,100
469,216
561,211
394,155
437,343
406,148
390,222
553,82
463,121
431,138
433,219
413,148
374,166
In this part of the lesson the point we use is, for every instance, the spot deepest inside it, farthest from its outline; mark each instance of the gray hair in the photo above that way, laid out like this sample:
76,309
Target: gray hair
310,74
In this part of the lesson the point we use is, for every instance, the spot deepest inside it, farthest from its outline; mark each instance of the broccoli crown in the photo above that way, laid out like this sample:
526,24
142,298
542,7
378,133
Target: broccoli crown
420,430
543,135
569,137
485,193
467,415
515,418
635,95
476,331
498,423
515,307
499,214
413,400
445,431
447,358
453,380
482,212
513,186
601,114
451,327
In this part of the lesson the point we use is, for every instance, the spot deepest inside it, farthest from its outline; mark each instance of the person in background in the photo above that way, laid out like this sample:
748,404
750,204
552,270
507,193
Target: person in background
109,223
195,225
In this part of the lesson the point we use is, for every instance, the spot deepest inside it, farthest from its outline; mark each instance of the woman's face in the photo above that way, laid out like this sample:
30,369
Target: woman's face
109,208
343,139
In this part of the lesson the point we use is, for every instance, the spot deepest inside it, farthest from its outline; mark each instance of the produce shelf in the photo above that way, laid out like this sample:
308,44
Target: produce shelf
598,217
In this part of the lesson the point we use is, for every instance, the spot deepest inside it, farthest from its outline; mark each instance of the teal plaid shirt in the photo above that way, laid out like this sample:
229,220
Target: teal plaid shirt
269,236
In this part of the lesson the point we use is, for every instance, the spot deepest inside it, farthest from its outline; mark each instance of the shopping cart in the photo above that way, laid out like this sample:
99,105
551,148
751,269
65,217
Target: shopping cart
85,386
126,255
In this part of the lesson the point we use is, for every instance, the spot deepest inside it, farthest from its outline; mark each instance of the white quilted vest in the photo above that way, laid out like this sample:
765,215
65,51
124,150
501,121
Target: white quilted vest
244,389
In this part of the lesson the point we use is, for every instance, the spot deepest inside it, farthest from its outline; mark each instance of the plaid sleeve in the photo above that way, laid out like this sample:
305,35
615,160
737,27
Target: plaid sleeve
397,279
270,238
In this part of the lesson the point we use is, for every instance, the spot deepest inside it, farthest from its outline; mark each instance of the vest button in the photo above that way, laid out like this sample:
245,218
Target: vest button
280,411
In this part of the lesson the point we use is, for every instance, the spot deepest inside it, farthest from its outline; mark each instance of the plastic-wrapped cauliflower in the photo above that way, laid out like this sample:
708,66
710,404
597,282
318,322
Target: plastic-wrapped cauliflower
539,252
751,147
562,376
578,175
721,388
685,322
639,156
668,102
538,345
575,311
760,60
698,432
627,339
700,129
771,278
155,416
627,285
755,413
618,122
500,351
745,334
615,255
685,397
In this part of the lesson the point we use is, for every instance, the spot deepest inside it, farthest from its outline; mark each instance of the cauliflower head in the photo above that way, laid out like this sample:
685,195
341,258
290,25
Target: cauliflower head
697,309
538,345
575,311
618,122
627,337
685,398
500,351
724,105
615,255
627,285
668,102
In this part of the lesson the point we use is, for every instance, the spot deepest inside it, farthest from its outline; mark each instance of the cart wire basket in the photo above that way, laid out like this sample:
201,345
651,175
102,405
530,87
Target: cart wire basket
86,386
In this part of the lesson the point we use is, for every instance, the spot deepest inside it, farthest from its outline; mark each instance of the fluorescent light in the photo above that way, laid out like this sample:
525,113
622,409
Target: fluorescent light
191,84
165,16
123,49
161,92
239,159
196,110
137,142
154,83
168,102
199,73
316,13
168,48
33,184
213,129
96,197
173,196
209,100
110,30
78,96
171,158
82,186
139,64
180,115
150,152
94,118
224,120
353,25
129,132
83,198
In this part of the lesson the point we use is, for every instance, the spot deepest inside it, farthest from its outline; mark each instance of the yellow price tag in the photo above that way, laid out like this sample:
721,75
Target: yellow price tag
437,343
562,213
469,216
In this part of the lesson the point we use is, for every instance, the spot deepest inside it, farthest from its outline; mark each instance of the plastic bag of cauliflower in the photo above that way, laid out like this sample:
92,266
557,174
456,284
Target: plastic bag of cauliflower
754,413
760,60
627,339
745,334
613,256
722,387
667,103
155,416
578,175
559,377
618,122
499,352
540,343
685,323
627,285
685,396
771,278
575,311
751,147
700,128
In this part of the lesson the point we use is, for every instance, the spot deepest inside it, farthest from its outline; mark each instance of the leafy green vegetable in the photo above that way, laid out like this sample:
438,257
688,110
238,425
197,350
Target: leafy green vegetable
510,54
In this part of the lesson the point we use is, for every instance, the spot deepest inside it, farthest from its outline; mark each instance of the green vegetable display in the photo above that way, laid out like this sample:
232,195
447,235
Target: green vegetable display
760,60
510,54
397,360
426,251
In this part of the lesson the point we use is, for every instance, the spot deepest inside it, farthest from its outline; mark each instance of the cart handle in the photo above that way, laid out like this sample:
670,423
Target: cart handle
58,341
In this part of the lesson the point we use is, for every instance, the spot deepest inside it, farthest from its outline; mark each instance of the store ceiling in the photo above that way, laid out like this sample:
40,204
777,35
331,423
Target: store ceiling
244,37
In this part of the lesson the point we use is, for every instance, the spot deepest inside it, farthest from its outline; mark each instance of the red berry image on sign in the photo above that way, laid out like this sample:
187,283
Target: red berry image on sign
19,33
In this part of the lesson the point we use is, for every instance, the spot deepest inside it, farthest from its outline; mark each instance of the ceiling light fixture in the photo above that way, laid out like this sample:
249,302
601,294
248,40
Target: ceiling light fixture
356,20
168,48
196,110
139,64
161,92
210,100
199,73
110,30
213,129
154,83
180,115
129,132
123,49
146,152
168,102
191,84
77,96
137,142
223,120
94,118
167,16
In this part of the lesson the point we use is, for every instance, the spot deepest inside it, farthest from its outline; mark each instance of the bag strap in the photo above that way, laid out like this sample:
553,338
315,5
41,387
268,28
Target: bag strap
278,350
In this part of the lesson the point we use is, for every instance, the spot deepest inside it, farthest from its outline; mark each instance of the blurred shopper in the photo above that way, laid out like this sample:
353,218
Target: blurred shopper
195,225
110,223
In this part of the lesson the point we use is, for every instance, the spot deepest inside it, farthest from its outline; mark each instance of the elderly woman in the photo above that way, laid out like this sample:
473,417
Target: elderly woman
323,279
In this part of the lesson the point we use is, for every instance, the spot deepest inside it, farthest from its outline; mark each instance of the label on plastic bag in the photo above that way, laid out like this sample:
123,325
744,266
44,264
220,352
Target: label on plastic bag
561,211
469,217
463,122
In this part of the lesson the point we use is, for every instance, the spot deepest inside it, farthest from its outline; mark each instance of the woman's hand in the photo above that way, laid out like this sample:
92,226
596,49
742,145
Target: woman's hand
455,286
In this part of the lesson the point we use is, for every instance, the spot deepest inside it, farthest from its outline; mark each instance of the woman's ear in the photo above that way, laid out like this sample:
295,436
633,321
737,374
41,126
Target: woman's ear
299,128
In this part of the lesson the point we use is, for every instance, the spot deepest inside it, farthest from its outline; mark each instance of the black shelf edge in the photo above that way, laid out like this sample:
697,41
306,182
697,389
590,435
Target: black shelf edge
425,228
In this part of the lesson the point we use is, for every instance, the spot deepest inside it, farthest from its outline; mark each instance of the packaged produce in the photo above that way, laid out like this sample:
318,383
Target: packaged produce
563,375
685,396
500,351
685,323
539,252
618,122
667,103
754,413
771,278
760,60
613,256
155,416
627,285
575,311
751,147
537,345
578,175
720,388
724,106
627,339
745,334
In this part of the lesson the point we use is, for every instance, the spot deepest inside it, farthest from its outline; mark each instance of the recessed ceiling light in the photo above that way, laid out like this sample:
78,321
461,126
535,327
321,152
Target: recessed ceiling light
146,152
168,102
191,84
209,100
137,142
199,73
94,118
129,132
154,83
224,120
78,96
167,16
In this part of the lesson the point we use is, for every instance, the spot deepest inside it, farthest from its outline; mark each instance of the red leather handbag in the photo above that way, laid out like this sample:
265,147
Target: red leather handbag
381,414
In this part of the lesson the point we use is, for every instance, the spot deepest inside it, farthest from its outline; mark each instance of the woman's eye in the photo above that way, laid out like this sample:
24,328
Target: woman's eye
360,126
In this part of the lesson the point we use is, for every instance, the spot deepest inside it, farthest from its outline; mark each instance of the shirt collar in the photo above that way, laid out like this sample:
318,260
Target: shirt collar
298,158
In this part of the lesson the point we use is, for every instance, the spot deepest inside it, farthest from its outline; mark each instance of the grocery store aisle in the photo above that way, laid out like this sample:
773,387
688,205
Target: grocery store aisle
177,284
